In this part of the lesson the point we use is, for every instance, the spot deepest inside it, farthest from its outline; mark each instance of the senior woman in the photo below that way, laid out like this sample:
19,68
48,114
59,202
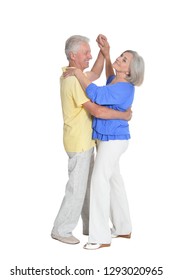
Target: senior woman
108,195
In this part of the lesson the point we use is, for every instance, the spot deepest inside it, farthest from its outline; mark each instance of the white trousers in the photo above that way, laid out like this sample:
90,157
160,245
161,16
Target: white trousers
108,197
77,194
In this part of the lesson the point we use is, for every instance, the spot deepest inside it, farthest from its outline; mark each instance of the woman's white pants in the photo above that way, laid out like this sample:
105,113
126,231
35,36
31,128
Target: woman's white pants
108,196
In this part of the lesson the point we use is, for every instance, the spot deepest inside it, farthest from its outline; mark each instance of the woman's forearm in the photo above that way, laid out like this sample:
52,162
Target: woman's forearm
83,80
108,67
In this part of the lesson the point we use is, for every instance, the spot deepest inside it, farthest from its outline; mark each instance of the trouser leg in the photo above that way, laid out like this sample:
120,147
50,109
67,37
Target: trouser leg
99,231
71,207
86,205
106,162
119,208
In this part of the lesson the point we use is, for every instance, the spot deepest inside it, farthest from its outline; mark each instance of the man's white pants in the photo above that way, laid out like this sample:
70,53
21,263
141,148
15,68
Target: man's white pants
77,194
108,197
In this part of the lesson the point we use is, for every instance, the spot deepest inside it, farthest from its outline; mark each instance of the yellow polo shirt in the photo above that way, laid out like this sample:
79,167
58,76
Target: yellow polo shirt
77,131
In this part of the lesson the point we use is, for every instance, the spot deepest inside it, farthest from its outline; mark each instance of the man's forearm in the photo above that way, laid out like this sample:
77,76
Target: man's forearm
97,68
106,113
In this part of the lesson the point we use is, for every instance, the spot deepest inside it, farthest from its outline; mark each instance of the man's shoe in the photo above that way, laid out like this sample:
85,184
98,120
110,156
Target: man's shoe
69,240
122,235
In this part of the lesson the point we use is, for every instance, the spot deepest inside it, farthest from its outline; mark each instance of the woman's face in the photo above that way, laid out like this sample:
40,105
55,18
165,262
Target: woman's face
122,63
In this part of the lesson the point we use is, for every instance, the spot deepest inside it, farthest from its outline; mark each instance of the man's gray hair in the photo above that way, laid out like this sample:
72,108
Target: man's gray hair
73,44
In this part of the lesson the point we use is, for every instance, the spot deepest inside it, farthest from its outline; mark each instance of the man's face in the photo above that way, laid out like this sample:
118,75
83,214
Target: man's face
82,57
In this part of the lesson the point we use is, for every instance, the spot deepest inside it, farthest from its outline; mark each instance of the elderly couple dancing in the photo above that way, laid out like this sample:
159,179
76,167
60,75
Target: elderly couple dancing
96,116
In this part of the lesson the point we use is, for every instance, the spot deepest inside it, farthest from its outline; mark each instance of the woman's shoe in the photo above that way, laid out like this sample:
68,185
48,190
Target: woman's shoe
94,246
122,235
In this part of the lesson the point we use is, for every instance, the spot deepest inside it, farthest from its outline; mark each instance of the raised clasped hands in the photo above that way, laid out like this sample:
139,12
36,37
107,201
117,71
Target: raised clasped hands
101,39
103,44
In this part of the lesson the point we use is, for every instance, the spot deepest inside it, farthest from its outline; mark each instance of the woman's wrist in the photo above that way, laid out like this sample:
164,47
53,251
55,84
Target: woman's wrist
78,72
107,57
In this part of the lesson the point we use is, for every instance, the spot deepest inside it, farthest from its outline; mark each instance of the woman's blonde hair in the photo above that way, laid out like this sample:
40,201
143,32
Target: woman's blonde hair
136,69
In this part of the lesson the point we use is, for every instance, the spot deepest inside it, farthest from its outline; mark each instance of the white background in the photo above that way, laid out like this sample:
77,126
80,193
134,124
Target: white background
33,161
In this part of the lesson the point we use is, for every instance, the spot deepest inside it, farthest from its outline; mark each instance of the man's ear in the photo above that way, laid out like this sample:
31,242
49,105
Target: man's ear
72,56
